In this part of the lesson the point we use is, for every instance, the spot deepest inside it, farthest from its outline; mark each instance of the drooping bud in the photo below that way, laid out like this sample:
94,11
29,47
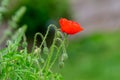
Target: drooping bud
37,50
64,57
45,50
42,60
58,33
61,64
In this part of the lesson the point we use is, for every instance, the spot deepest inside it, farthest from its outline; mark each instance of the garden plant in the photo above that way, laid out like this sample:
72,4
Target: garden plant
17,63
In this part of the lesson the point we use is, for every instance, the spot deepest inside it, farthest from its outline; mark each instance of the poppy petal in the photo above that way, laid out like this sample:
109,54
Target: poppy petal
69,27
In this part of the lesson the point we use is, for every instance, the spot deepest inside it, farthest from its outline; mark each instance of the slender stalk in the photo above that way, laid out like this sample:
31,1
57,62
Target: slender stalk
57,53
51,25
35,38
46,65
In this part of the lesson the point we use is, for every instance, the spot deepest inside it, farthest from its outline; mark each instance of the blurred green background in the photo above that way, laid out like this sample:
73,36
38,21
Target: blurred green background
91,57
94,57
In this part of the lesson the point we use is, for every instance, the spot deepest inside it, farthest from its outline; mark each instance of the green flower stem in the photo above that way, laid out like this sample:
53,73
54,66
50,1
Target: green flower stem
57,54
51,25
61,46
35,60
50,56
35,38
51,49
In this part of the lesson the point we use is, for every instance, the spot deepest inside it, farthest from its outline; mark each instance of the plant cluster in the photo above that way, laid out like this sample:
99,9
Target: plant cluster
17,63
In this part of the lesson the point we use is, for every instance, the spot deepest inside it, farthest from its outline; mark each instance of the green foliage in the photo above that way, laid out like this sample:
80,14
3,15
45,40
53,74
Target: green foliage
17,63
94,57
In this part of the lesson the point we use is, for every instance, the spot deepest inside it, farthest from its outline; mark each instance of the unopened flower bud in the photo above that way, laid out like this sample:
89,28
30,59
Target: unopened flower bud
37,50
61,64
45,50
58,33
64,57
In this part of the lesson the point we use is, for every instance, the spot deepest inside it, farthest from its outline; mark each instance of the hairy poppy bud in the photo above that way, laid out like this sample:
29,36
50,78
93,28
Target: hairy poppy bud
58,33
37,50
61,64
45,50
64,57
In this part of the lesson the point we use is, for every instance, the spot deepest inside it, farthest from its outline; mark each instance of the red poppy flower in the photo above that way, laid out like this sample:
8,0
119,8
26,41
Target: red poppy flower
69,27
